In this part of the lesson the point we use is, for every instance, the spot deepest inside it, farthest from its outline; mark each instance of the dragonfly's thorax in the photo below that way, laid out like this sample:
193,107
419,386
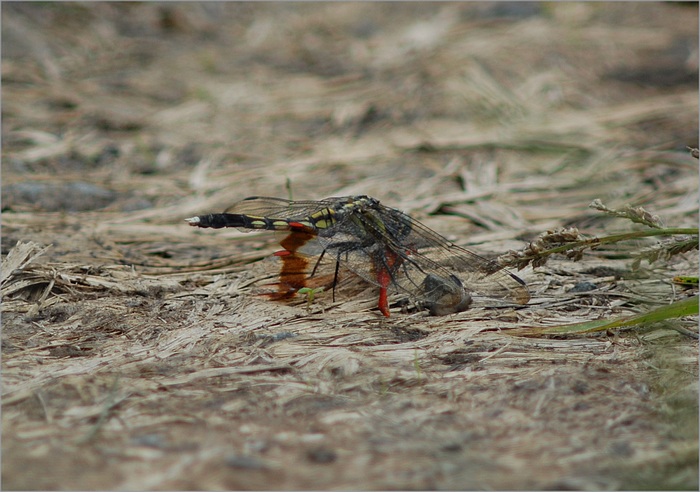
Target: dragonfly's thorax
369,219
344,208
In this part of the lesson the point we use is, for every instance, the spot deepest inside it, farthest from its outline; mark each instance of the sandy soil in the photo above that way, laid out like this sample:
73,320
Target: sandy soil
136,353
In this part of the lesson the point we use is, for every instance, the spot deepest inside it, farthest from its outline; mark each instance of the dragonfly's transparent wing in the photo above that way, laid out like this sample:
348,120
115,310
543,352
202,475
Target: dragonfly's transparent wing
476,273
431,266
278,208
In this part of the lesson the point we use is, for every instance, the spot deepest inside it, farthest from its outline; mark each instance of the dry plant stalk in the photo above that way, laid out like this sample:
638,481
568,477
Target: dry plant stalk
571,243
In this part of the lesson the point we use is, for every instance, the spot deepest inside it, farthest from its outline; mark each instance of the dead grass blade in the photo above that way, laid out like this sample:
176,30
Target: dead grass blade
19,257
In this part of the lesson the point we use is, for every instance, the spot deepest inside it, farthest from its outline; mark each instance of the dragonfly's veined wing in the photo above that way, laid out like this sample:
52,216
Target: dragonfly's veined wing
410,257
380,244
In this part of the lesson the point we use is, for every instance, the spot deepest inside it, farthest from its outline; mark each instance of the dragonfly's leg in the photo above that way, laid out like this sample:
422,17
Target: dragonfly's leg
384,278
335,277
318,262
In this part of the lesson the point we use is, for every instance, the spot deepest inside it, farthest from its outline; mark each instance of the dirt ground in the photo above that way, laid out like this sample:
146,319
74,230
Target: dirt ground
136,354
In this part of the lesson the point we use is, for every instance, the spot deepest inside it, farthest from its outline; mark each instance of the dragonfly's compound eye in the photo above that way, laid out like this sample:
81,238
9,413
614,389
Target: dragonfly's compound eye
444,295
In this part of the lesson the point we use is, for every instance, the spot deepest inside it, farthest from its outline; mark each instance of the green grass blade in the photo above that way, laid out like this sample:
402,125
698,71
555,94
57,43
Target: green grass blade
678,309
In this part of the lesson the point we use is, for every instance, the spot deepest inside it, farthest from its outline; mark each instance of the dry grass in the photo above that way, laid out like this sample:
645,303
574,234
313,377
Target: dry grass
136,354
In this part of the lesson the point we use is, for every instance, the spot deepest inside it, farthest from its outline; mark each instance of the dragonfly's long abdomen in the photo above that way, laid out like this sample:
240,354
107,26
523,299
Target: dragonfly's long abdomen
218,221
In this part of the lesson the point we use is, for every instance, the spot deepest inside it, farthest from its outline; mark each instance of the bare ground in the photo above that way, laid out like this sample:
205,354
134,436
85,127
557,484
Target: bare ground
136,354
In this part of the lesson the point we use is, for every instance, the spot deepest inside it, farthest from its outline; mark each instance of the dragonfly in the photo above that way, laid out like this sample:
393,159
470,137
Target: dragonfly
382,245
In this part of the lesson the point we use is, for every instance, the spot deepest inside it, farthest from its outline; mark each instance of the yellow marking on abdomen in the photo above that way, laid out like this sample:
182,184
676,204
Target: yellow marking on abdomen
258,224
280,225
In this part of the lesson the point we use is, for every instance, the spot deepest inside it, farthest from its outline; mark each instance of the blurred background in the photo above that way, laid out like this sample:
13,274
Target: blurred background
182,108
